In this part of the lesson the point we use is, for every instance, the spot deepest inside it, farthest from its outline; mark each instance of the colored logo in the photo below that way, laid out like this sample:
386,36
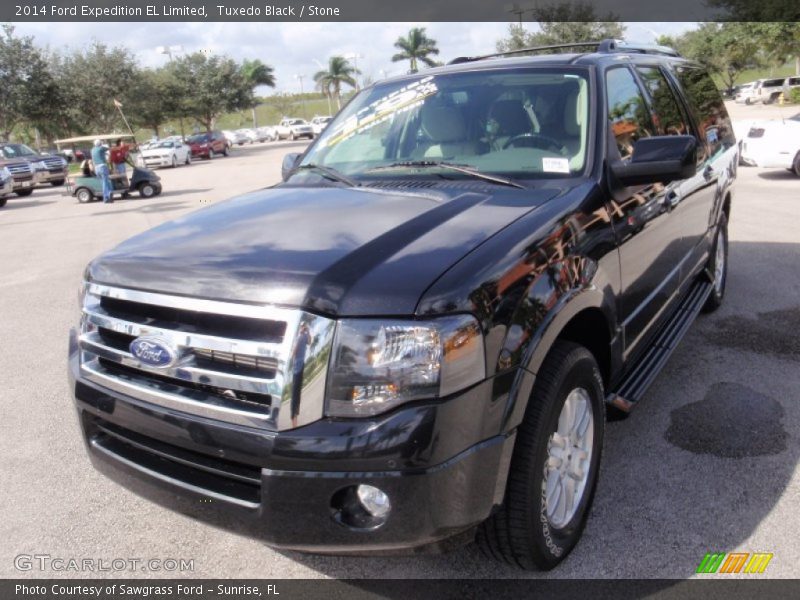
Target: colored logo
154,352
734,562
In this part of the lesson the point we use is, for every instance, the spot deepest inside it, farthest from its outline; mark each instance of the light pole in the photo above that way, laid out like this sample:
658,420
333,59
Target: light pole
302,98
168,50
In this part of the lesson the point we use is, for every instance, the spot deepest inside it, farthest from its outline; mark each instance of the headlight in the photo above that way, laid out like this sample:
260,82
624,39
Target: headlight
380,364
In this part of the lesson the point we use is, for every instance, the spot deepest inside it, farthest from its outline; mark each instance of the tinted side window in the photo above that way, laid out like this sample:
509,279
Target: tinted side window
627,111
670,117
706,102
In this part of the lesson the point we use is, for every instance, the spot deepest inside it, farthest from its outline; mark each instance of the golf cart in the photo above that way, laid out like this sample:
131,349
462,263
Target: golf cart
87,188
143,181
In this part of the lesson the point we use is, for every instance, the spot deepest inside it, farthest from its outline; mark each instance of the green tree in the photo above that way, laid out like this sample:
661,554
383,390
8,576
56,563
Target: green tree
256,73
339,72
781,41
91,80
775,23
562,24
156,98
726,49
210,86
416,47
28,92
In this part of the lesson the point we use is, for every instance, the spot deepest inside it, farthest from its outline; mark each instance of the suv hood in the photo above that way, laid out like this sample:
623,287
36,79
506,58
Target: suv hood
339,251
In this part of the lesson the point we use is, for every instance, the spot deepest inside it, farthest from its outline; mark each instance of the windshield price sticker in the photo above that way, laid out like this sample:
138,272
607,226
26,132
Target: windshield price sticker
555,165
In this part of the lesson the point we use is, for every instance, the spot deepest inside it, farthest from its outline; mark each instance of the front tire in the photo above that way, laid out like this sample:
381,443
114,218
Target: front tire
796,165
174,161
718,266
553,472
3,202
147,190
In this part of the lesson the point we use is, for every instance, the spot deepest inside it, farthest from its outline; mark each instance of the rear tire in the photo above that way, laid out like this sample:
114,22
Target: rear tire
84,195
718,266
552,477
225,151
3,202
796,165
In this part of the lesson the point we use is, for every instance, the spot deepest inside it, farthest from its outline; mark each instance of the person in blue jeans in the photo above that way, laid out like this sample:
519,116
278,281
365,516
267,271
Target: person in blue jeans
100,160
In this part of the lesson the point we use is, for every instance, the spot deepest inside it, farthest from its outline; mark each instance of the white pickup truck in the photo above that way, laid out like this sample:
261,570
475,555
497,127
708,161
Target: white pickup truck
767,91
293,129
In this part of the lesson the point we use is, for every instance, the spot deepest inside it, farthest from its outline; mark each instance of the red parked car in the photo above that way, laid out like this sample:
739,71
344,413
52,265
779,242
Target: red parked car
208,145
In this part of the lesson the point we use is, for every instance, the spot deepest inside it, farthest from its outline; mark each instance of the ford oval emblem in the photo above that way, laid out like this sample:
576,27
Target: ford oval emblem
154,352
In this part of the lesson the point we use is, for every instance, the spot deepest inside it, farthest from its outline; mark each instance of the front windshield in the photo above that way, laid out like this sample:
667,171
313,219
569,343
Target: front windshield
524,123
199,139
165,145
16,150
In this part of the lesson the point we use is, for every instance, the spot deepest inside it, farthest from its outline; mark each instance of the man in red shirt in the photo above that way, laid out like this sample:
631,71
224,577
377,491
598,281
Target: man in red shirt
119,155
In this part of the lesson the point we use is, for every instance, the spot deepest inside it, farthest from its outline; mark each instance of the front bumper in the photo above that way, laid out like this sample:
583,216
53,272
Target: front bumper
159,161
440,469
46,177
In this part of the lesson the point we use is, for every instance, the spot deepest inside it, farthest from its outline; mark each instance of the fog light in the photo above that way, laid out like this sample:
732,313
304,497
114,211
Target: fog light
374,501
360,507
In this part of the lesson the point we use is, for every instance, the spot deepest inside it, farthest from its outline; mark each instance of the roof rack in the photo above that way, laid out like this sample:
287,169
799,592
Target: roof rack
603,47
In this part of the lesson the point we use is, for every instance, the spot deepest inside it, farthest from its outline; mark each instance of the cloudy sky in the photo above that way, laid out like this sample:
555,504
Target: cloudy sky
293,48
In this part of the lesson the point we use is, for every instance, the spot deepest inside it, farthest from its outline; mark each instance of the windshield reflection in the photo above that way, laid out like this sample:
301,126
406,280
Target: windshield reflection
524,123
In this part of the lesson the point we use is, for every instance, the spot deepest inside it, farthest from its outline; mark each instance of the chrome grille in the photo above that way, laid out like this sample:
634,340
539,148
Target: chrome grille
234,360
53,163
21,168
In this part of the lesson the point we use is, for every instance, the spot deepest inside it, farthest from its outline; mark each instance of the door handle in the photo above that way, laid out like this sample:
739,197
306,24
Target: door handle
708,173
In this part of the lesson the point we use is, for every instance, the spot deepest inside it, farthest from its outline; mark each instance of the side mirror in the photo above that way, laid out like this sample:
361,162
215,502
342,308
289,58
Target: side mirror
660,159
289,163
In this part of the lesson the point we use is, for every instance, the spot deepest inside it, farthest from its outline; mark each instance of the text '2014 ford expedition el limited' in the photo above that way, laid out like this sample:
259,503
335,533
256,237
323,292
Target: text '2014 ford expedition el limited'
413,339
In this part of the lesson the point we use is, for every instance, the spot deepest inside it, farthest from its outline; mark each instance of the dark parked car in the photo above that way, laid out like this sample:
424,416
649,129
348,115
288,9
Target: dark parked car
208,145
47,168
414,339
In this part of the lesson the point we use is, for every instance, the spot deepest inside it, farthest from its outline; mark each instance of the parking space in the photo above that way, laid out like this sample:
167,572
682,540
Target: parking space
707,463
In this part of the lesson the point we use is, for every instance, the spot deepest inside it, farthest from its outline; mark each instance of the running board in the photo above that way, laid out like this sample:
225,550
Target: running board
633,387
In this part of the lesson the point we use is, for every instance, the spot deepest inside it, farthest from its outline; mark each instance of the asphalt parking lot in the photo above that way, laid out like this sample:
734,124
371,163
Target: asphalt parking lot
707,463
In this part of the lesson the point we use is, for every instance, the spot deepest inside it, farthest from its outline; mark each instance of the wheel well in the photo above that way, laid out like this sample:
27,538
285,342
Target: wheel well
726,206
589,328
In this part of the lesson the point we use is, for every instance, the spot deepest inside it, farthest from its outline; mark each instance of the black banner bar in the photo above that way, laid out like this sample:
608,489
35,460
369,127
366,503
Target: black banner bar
395,589
277,11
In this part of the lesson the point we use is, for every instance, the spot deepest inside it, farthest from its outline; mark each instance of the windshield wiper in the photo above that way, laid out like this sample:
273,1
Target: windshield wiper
466,169
330,173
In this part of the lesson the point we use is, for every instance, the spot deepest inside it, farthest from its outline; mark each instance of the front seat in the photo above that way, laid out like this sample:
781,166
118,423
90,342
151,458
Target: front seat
446,130
510,120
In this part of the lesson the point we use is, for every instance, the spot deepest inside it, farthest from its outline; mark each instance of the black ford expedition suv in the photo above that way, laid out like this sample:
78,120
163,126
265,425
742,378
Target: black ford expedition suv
413,339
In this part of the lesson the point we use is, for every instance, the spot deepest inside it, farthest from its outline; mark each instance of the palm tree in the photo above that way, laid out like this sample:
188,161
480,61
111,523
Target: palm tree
416,46
257,73
339,71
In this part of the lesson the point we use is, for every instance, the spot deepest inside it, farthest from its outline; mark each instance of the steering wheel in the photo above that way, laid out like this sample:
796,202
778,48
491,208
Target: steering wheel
535,140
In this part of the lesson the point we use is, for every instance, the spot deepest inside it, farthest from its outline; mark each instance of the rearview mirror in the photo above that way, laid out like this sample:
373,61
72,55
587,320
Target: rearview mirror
289,163
660,159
